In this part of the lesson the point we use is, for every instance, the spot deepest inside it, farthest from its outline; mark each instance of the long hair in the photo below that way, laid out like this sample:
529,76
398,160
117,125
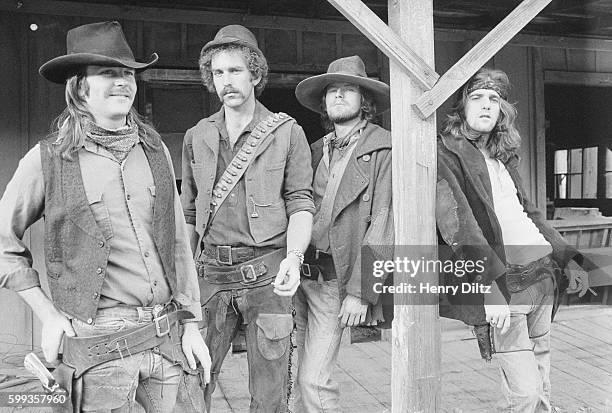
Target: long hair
368,109
256,63
504,140
68,128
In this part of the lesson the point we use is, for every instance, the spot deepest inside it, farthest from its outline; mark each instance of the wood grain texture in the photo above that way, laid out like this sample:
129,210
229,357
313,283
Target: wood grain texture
386,40
415,379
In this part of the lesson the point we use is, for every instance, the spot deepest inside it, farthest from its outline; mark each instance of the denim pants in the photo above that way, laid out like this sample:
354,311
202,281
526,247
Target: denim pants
523,352
145,377
317,305
269,324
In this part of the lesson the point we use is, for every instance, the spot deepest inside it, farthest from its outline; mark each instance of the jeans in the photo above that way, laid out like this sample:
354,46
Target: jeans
317,305
524,351
269,324
145,377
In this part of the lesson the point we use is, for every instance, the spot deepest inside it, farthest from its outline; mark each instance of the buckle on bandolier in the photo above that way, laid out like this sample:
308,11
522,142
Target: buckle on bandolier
224,254
306,270
248,273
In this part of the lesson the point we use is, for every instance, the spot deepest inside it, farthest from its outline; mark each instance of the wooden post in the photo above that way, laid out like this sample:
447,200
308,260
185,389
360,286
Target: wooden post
416,328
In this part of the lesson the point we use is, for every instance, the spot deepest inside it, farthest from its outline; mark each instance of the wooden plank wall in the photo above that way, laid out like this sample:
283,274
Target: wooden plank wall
291,45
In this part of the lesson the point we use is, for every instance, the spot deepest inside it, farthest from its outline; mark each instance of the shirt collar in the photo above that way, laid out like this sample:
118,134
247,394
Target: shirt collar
259,114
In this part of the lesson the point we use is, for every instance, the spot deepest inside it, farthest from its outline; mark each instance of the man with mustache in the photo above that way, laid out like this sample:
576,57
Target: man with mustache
483,214
119,265
247,198
352,193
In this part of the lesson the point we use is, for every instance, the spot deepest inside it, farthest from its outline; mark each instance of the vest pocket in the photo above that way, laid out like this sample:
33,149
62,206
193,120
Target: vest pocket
100,213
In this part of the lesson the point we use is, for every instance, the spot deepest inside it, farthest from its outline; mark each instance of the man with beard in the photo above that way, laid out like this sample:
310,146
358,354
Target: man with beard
247,199
483,214
352,192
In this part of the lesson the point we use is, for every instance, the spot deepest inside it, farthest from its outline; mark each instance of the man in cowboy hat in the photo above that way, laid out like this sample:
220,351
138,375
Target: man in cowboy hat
352,193
494,222
247,198
117,254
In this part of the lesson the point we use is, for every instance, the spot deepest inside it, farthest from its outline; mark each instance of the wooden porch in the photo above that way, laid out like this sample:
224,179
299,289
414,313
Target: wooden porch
581,370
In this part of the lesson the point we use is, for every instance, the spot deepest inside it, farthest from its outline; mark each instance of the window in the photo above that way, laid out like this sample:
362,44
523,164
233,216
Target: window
608,173
575,173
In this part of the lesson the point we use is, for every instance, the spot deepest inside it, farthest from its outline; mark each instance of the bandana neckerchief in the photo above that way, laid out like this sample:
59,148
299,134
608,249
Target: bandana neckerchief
118,142
340,143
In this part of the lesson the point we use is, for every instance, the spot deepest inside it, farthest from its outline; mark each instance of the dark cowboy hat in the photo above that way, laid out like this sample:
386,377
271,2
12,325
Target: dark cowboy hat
100,44
234,34
346,69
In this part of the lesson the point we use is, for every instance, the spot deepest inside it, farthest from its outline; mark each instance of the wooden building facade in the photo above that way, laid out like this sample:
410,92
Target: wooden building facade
547,71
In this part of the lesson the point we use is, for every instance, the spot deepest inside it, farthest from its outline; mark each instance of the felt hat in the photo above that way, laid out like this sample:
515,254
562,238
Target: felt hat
100,44
347,70
234,34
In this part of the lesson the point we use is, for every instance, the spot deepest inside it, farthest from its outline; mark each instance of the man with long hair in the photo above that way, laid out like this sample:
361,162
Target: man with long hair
248,203
483,214
352,193
117,255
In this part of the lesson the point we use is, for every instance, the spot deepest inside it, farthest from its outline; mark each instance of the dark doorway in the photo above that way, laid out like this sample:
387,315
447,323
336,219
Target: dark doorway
579,146
283,100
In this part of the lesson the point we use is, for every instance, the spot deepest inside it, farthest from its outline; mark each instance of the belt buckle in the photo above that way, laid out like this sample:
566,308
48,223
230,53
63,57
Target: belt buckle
119,345
162,325
306,270
224,254
246,271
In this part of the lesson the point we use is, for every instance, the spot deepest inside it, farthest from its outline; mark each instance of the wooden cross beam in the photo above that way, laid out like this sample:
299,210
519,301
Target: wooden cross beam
389,43
387,40
473,60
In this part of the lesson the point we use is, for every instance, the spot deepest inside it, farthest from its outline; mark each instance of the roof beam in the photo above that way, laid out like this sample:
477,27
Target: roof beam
387,41
469,64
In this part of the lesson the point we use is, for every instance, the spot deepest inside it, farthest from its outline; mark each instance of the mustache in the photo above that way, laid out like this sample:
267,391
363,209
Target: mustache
226,90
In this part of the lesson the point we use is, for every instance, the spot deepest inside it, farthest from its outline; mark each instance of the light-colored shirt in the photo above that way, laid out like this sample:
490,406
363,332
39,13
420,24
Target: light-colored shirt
121,197
523,242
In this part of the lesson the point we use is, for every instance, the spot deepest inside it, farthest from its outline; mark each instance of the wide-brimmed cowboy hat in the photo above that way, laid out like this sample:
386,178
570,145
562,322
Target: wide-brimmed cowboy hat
100,44
234,34
346,70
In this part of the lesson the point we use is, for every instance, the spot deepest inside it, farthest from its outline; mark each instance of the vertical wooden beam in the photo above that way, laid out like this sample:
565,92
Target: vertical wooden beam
540,130
416,327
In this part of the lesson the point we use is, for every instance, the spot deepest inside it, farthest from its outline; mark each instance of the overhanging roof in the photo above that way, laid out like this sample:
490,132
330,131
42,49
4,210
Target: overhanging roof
591,18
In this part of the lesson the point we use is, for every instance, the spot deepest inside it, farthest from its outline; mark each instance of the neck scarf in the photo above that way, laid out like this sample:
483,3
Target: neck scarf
341,142
118,142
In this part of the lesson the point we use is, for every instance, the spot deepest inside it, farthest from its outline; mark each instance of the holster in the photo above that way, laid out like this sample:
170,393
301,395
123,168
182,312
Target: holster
64,376
257,272
486,344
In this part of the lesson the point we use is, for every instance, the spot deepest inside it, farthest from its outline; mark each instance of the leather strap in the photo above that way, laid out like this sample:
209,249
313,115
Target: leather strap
83,353
250,274
228,255
318,263
239,164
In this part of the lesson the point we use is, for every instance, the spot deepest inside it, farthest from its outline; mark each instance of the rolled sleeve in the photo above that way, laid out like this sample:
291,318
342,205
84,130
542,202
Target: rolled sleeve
189,190
21,205
188,294
298,174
